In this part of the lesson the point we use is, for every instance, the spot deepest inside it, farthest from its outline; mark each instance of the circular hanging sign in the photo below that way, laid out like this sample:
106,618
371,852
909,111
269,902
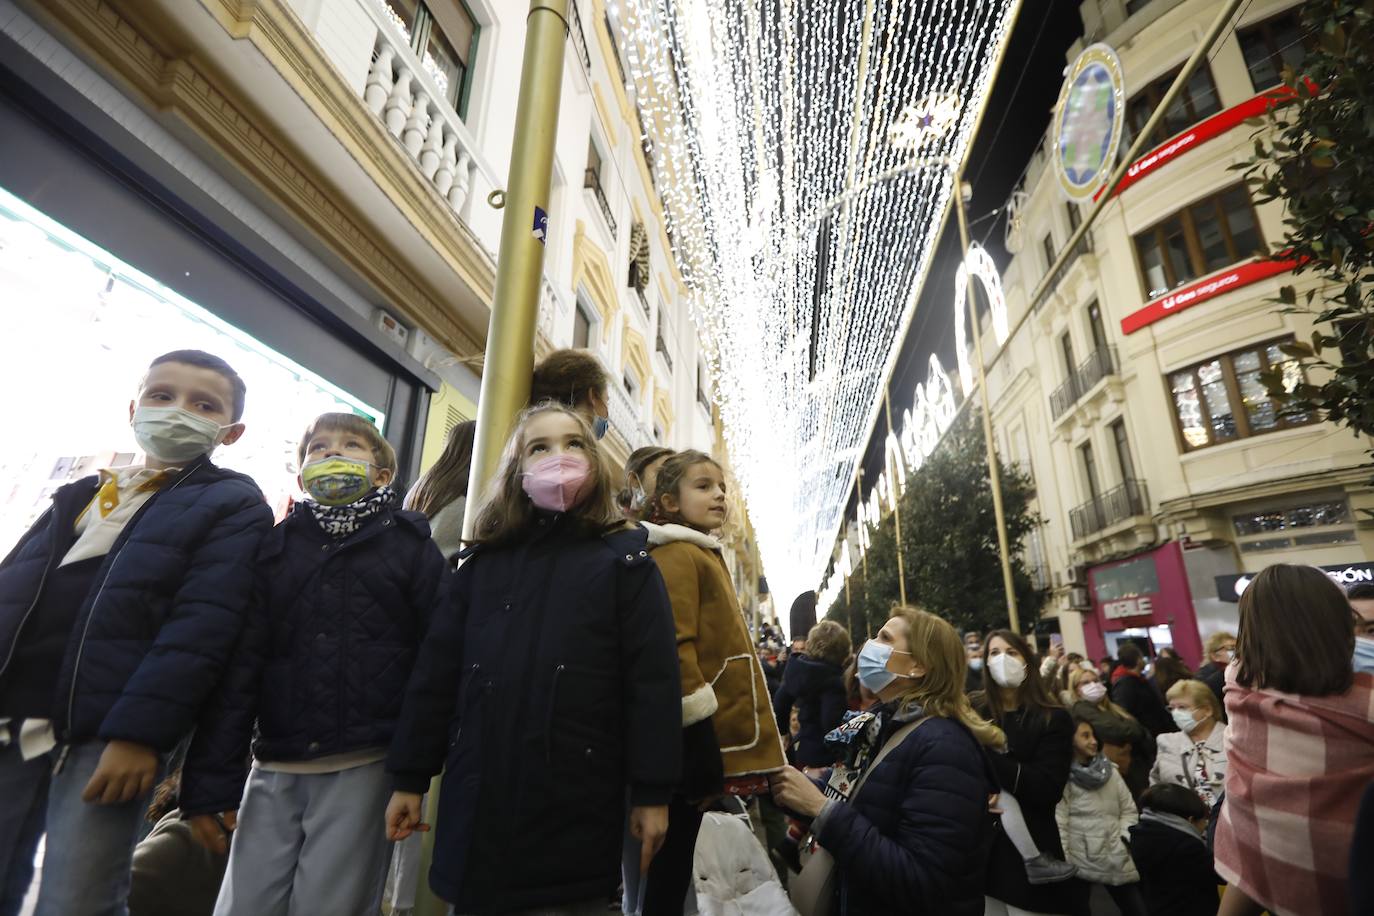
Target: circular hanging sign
1088,122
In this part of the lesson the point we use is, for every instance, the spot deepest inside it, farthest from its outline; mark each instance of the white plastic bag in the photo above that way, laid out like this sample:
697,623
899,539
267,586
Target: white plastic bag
732,873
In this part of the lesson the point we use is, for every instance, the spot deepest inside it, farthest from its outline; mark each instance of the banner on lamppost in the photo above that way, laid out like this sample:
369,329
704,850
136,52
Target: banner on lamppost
1088,122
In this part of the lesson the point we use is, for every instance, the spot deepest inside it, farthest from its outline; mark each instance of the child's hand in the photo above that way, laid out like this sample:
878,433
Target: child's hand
212,830
649,825
126,771
403,816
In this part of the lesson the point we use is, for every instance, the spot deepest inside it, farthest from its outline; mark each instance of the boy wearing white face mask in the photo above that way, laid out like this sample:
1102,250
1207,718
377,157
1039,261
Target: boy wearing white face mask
346,587
118,611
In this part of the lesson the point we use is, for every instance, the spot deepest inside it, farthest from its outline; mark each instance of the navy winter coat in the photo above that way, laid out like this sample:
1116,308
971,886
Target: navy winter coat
151,639
1175,868
331,640
817,689
546,687
1035,769
914,839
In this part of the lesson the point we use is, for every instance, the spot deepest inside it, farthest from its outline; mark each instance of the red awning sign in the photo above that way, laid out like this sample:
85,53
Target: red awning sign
1196,293
1200,133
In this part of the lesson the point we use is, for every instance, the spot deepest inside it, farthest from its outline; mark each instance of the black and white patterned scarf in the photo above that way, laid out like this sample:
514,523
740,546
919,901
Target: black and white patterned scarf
340,521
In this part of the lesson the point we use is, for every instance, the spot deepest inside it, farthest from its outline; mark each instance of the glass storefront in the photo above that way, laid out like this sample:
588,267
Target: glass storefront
80,328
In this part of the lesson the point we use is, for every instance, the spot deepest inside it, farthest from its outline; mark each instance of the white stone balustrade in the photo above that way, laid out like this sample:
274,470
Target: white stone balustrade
405,98
626,416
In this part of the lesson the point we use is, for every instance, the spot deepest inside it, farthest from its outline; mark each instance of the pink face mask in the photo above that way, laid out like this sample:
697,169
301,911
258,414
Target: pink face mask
556,484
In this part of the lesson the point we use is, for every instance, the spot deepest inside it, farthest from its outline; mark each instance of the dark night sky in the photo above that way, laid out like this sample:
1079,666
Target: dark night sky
1023,96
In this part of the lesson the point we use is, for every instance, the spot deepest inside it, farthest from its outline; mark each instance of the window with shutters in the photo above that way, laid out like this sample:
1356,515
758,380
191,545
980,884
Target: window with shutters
1196,101
1224,398
444,34
1272,45
1203,237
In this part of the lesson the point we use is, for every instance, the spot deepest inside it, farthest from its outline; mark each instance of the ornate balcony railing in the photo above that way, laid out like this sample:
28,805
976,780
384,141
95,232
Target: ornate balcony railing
403,93
1099,364
1116,505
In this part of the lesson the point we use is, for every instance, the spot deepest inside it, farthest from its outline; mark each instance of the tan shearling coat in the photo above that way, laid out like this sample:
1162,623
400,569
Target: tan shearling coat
721,675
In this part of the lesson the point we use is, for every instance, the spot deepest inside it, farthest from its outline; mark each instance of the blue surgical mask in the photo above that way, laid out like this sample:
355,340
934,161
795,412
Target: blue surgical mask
599,427
1364,654
976,663
872,663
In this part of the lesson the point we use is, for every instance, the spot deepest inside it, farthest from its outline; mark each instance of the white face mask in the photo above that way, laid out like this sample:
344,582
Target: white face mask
1093,693
174,435
1007,670
1185,720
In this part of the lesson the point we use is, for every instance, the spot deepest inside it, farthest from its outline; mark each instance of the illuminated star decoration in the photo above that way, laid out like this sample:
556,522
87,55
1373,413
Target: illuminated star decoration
803,151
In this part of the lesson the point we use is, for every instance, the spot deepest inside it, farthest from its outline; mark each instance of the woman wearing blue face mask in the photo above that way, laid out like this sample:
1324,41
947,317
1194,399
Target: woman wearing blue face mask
903,820
1195,755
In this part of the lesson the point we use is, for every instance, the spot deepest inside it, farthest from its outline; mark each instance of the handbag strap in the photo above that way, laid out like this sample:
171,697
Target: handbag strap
892,744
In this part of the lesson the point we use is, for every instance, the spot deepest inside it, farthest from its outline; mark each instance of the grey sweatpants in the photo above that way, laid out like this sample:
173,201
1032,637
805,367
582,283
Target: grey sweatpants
309,844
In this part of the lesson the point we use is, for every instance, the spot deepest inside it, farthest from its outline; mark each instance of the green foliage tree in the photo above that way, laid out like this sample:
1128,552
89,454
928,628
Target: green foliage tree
1315,152
949,544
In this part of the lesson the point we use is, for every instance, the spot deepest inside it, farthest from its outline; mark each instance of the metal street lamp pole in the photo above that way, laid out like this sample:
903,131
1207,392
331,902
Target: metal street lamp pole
520,262
896,489
994,471
509,364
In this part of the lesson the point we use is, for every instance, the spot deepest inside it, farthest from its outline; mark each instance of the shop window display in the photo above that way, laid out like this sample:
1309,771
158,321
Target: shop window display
81,328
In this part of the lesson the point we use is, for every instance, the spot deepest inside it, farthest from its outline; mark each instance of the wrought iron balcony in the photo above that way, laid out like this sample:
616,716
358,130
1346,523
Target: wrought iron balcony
643,302
1116,505
593,184
1099,364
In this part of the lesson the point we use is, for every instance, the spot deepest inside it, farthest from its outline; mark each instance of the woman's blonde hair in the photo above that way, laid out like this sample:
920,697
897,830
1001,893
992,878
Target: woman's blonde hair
1077,677
937,647
1198,694
507,512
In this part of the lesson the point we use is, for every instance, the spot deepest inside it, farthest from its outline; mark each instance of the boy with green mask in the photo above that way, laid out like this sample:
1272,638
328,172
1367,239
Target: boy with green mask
345,589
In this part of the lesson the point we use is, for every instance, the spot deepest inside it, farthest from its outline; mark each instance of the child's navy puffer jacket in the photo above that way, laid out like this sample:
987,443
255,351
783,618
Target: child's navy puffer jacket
547,688
154,634
915,838
331,641
817,689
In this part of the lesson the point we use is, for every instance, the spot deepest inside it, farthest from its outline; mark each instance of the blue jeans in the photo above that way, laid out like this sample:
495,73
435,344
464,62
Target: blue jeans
23,802
90,848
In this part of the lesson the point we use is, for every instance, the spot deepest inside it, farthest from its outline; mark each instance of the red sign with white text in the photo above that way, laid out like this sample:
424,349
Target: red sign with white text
1199,292
1209,129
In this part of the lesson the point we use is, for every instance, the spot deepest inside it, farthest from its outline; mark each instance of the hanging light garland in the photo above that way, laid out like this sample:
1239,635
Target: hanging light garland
802,150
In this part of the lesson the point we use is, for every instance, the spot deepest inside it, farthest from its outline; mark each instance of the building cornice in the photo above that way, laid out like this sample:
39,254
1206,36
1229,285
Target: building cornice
130,43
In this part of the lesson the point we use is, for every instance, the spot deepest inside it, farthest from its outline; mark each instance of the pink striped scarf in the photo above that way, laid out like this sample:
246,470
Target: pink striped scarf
1296,767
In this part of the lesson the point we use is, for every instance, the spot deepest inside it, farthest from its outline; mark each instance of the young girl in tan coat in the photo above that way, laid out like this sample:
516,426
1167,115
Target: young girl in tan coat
730,738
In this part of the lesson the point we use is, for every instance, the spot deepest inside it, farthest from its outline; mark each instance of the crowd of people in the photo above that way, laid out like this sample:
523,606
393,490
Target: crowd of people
206,712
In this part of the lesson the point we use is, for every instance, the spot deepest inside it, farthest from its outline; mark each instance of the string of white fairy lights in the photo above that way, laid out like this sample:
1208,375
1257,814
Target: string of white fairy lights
802,151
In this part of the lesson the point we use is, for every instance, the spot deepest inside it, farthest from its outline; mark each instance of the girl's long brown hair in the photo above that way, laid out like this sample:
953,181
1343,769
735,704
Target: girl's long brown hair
1033,695
447,479
937,647
1295,633
507,513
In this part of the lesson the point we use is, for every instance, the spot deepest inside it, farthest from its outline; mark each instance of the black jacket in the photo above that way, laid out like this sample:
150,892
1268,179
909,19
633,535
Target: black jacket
1035,769
1139,698
817,689
323,662
546,686
914,839
1214,676
152,637
1175,868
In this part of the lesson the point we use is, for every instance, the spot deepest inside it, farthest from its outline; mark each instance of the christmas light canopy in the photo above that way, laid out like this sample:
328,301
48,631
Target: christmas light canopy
805,151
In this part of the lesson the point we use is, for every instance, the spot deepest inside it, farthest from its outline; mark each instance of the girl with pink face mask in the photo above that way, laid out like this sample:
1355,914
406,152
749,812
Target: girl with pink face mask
547,693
